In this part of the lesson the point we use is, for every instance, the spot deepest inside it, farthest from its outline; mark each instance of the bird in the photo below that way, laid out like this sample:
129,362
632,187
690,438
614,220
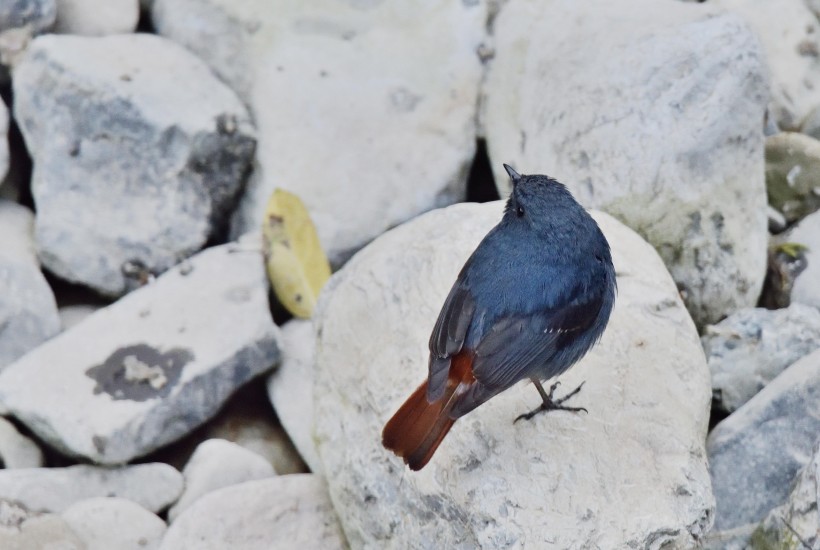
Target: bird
530,301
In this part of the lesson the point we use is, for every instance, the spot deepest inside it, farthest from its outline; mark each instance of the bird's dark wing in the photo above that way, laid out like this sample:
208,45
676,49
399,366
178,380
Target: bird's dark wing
448,335
515,348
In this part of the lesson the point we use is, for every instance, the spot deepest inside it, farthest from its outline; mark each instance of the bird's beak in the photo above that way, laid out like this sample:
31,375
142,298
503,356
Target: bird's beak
514,176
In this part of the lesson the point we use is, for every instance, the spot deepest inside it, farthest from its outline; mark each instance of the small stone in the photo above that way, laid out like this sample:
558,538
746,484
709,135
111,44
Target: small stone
806,288
145,154
792,173
114,523
28,311
755,453
291,511
94,18
17,450
290,388
215,464
153,486
777,221
38,15
570,92
748,349
96,390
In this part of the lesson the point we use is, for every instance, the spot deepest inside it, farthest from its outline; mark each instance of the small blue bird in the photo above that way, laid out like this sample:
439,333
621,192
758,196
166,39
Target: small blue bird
532,299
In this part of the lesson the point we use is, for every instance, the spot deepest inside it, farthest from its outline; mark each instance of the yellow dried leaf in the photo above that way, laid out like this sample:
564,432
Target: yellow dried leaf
297,265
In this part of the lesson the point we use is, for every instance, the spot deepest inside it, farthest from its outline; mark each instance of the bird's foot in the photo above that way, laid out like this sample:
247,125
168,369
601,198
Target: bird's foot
550,404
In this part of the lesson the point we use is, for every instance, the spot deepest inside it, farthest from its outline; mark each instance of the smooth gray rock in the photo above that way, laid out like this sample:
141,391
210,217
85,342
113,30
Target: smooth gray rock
114,524
159,161
795,524
630,474
755,453
154,365
806,288
290,388
396,83
28,311
215,464
290,511
748,349
38,15
153,486
95,18
652,112
17,450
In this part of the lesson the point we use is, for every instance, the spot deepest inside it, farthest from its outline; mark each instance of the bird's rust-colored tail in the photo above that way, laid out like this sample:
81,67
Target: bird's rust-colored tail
417,429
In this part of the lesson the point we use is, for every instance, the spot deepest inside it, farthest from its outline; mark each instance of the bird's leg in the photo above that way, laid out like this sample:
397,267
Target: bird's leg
550,404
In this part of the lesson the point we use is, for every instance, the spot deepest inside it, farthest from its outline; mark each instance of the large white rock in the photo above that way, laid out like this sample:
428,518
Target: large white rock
651,111
215,464
28,311
290,511
153,486
755,453
789,33
95,18
152,366
159,161
290,388
114,523
806,288
366,110
631,473
47,532
748,349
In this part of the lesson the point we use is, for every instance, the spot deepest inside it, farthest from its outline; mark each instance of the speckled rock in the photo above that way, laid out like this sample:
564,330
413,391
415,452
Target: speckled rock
160,161
38,15
748,349
619,101
114,523
631,473
755,453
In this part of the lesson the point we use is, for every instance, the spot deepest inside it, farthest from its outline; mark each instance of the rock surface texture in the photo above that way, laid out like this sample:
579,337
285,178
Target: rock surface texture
114,524
408,129
28,311
748,349
94,18
290,511
154,365
755,453
631,473
583,92
158,161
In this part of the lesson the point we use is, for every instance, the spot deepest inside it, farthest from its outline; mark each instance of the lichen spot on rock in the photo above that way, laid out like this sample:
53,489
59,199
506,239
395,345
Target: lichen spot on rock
139,372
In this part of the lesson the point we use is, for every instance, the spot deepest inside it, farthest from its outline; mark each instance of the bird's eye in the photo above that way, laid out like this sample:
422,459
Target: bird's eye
519,211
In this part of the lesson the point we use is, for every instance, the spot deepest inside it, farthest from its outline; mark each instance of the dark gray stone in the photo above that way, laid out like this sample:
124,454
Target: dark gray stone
755,453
